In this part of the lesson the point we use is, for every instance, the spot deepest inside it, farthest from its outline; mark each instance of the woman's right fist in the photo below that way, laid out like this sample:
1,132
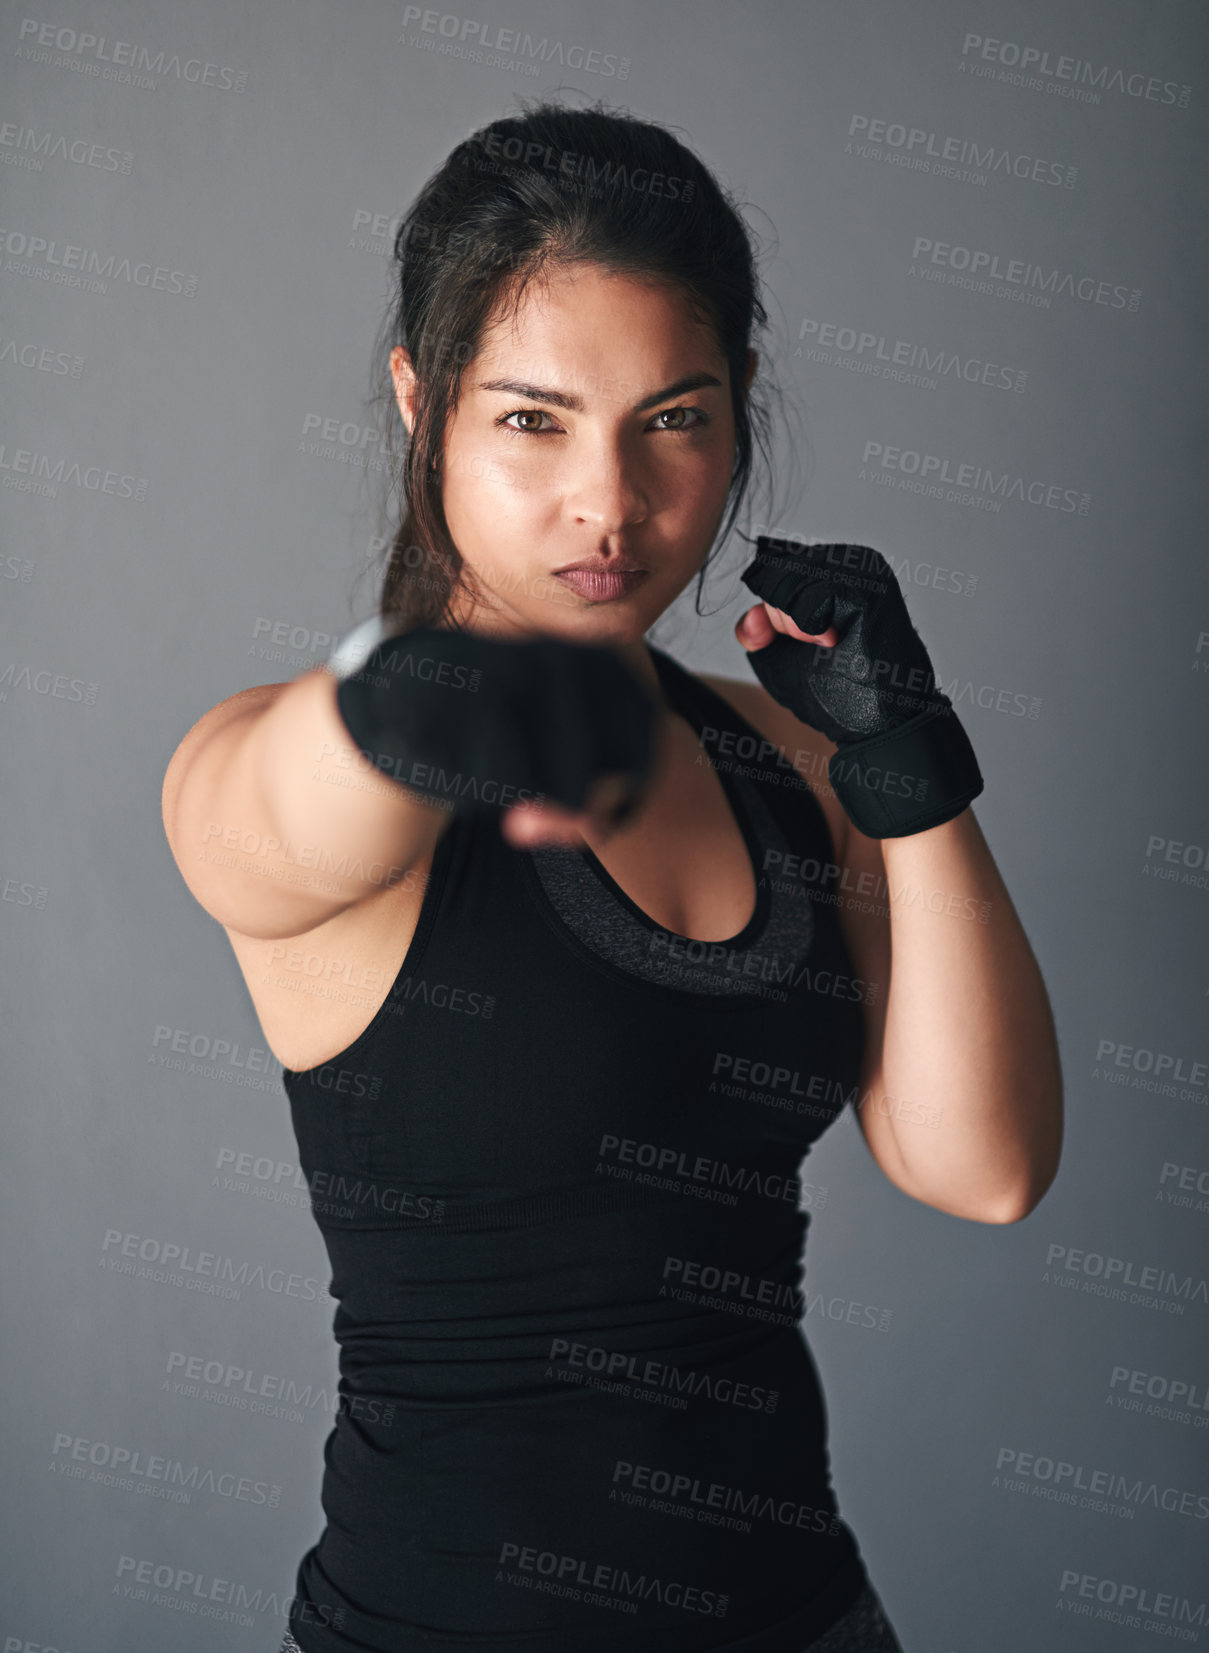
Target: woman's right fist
477,724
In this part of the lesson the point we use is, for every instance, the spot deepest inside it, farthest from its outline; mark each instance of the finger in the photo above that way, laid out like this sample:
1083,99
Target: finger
528,825
760,625
827,639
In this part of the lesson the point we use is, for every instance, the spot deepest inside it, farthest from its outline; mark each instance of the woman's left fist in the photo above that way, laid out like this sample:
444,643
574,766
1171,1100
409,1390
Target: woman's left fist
833,642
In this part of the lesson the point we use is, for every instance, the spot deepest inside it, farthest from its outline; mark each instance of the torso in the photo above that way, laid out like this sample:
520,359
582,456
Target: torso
682,859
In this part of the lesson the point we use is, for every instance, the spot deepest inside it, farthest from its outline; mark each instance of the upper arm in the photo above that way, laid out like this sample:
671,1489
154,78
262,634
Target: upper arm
189,781
862,899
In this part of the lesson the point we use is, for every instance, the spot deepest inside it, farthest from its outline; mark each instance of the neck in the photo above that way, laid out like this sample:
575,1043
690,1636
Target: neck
637,656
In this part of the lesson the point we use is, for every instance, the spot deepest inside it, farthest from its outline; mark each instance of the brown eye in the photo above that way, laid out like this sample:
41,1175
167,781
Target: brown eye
535,414
682,423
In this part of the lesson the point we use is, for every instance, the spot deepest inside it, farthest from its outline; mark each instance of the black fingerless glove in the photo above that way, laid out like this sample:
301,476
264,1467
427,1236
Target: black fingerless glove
476,724
903,761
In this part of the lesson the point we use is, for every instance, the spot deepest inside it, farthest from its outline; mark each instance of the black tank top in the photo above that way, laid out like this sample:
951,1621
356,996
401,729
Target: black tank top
559,1181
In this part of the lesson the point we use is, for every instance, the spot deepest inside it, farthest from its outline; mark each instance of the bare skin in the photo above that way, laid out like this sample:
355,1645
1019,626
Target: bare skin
961,1084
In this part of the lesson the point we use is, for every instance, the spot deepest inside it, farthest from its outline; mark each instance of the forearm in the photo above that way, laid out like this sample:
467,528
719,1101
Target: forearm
968,1027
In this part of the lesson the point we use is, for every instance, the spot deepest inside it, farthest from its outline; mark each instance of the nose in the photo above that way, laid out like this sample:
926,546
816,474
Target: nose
605,491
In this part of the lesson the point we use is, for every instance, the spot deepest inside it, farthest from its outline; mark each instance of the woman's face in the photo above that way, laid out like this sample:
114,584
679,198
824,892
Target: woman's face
594,424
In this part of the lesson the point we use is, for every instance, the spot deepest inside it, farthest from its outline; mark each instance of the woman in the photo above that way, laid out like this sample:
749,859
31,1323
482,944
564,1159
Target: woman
557,944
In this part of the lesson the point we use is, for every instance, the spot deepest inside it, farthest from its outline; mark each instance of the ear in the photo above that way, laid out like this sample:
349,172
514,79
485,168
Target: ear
404,376
752,359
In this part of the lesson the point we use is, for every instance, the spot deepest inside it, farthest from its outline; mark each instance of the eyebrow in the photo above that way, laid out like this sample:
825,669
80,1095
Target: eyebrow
561,399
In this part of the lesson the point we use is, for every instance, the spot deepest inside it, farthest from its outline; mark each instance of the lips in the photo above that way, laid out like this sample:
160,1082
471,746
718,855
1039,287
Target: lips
602,565
601,584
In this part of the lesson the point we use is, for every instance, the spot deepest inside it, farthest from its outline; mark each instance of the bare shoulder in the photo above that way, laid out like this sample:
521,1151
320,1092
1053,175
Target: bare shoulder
805,748
211,723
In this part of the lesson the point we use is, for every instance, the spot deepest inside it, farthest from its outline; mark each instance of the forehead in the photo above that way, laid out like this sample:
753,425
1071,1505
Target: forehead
583,311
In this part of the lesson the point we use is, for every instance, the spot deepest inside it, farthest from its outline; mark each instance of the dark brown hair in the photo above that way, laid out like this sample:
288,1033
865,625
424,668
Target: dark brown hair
552,186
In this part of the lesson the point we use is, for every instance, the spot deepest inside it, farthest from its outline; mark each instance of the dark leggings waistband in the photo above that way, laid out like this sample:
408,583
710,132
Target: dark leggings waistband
864,1628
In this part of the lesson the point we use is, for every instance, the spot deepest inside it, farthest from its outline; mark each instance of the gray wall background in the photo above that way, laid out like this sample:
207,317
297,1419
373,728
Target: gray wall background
189,518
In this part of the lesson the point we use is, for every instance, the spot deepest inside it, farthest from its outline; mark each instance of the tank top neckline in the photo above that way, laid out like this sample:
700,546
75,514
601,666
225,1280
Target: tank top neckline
692,699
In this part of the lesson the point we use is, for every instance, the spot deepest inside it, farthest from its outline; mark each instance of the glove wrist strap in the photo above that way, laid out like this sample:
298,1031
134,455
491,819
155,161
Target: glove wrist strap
915,776
355,647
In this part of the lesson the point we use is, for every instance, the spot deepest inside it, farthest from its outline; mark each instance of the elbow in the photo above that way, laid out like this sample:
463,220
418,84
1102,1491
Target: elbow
1035,1180
1020,1201
1013,1210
